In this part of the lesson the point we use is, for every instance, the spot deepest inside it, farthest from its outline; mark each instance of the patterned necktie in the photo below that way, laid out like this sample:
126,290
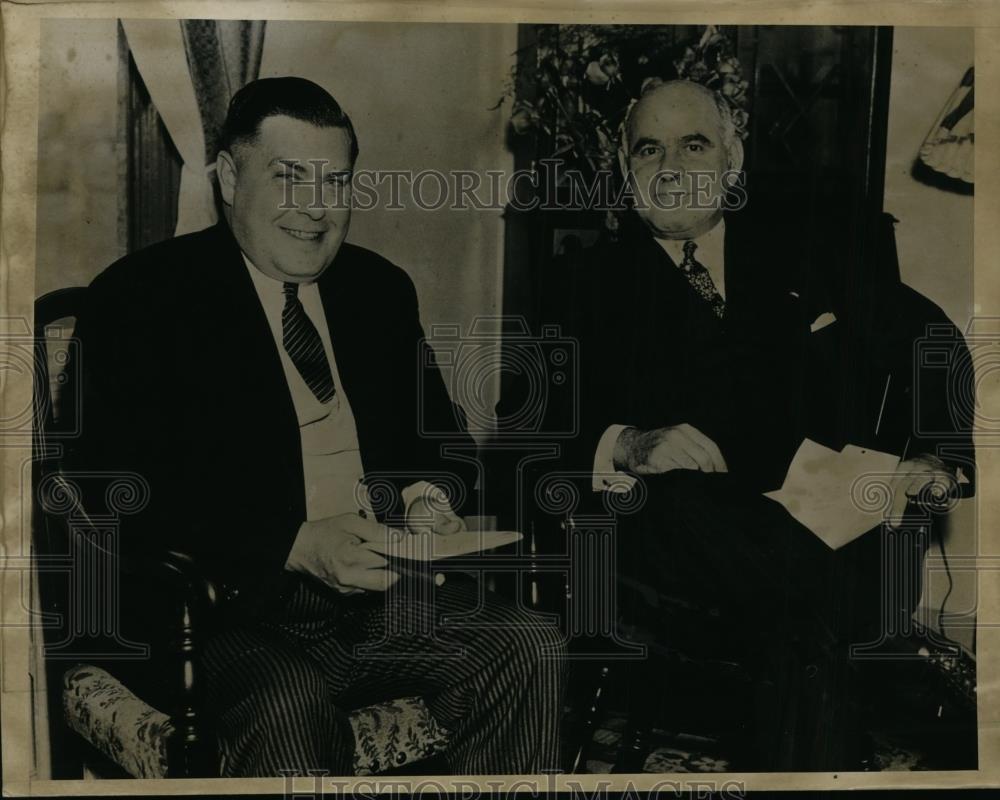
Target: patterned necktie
699,278
304,347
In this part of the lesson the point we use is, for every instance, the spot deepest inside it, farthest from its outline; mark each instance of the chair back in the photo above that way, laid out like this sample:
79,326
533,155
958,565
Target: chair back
55,316
54,422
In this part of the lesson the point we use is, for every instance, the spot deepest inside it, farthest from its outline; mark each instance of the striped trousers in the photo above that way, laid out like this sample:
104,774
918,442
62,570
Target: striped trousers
490,672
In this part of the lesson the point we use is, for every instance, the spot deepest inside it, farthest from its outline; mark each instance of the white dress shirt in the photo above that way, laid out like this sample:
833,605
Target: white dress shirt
710,253
331,457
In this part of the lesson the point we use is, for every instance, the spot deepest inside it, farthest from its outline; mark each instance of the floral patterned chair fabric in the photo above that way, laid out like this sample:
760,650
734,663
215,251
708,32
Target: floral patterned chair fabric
134,735
116,722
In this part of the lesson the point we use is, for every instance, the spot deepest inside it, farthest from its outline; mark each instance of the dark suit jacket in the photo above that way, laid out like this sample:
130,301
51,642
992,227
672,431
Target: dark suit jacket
182,383
652,353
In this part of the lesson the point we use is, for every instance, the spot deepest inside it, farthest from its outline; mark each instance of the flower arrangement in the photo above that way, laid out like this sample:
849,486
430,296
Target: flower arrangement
585,77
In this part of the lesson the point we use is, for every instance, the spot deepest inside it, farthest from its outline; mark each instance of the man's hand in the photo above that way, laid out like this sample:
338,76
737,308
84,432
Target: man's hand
923,478
430,512
330,550
663,449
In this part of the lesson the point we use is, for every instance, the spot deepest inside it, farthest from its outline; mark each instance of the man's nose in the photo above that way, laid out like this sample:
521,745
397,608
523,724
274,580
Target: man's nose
671,167
316,212
315,209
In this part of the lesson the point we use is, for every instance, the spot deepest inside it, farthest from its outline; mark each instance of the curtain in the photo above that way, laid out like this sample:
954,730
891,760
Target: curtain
191,69
949,147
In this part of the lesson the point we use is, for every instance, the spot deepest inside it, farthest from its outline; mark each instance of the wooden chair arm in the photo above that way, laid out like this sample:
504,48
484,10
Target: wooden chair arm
183,572
194,596
191,751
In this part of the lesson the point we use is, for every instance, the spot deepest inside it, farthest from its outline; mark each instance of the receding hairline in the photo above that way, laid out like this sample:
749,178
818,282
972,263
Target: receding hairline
669,86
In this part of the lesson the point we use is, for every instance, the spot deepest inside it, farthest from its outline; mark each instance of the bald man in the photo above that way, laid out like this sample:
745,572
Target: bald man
701,371
691,336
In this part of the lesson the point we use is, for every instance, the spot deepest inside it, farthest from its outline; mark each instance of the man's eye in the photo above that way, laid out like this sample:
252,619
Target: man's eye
647,151
694,147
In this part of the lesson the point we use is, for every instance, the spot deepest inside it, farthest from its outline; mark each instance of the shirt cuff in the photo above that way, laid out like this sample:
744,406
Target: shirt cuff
606,478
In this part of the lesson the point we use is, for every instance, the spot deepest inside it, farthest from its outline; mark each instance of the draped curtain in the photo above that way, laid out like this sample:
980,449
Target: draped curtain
191,68
949,147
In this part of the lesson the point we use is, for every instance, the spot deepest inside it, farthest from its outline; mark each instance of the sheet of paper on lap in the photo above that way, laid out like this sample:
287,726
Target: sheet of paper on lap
433,547
837,495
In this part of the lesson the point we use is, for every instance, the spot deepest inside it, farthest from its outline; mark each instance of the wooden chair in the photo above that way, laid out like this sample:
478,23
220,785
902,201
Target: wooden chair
629,650
886,328
108,729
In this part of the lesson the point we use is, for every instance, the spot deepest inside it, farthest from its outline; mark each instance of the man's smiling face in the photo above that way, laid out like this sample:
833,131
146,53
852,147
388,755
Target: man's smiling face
279,169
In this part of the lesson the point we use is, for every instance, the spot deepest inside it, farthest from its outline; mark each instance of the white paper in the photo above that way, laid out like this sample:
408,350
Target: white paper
826,490
433,547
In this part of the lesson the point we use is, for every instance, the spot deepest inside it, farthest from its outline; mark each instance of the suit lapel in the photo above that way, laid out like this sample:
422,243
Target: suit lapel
667,293
350,318
737,266
245,357
344,320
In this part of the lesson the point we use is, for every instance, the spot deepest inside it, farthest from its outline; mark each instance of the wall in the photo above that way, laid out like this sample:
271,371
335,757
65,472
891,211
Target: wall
934,239
424,103
78,152
435,114
934,234
425,107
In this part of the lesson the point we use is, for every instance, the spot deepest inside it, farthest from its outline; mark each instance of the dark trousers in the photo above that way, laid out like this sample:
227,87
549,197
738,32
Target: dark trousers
491,674
794,606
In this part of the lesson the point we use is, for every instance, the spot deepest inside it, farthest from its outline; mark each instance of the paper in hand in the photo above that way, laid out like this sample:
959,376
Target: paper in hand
824,490
433,547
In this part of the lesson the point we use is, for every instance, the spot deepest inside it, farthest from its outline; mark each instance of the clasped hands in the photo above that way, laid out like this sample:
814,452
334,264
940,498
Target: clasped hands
333,550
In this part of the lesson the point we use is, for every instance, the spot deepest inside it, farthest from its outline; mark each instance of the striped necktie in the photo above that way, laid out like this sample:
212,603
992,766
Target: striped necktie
303,345
700,280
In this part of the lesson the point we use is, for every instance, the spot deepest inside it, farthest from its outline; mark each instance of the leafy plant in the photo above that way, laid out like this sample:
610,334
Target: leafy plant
576,90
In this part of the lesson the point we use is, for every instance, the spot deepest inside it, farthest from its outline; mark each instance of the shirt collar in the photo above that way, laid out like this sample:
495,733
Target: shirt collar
270,290
710,246
266,285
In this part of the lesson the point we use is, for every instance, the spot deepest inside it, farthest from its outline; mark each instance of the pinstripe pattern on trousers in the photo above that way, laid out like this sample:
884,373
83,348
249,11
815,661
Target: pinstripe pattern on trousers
490,672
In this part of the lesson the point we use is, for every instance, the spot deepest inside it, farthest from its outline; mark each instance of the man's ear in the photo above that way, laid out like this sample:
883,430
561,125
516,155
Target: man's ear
736,154
225,169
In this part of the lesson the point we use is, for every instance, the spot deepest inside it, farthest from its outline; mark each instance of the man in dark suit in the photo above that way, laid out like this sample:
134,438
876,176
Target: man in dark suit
262,377
700,374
